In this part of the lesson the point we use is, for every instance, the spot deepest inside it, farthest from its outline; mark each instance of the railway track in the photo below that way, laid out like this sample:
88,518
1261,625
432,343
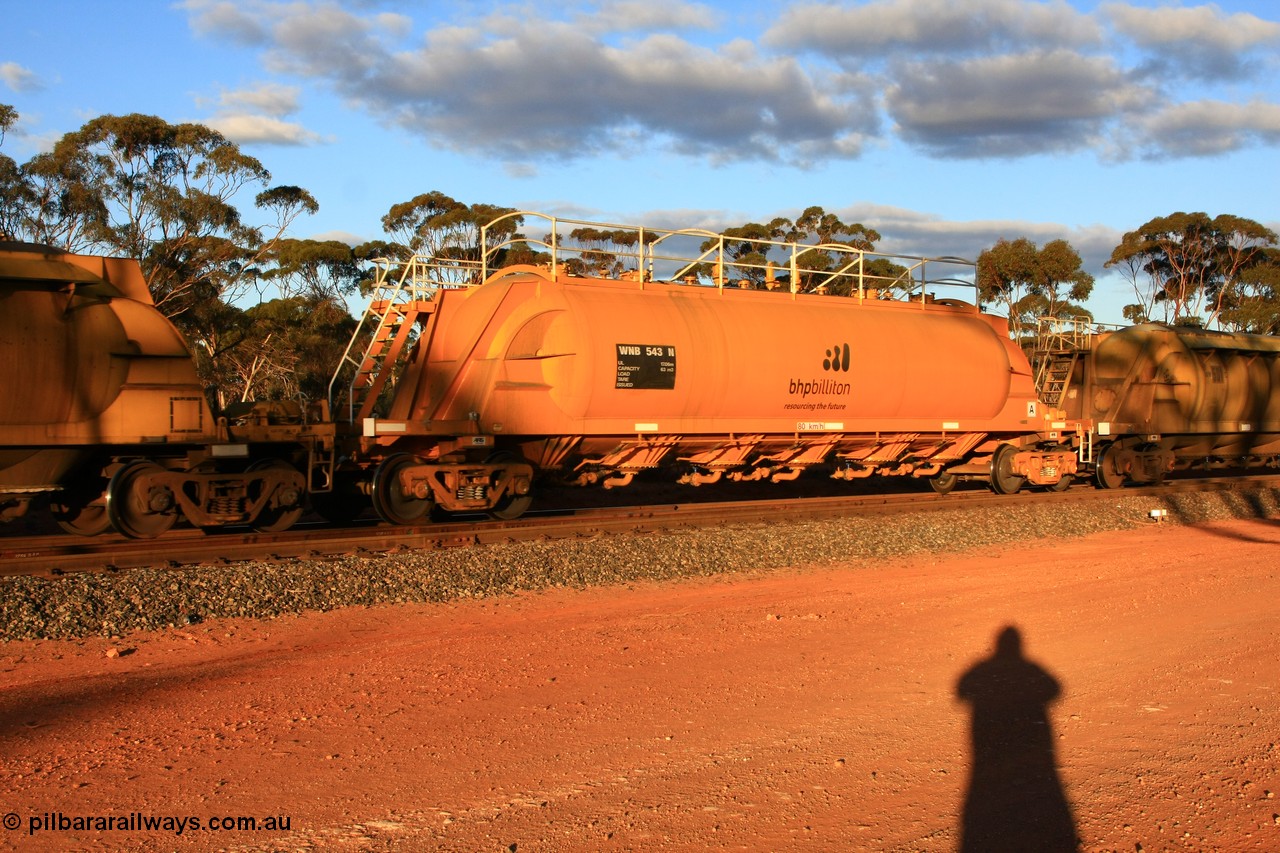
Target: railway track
54,555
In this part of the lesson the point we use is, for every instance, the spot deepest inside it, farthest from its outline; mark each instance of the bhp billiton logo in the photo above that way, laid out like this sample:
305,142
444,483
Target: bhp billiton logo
837,359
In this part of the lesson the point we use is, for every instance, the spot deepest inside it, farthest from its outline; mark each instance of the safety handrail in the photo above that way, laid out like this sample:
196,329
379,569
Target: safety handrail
645,255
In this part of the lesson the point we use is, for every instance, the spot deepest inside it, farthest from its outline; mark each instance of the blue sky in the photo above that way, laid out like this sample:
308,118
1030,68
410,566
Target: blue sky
943,124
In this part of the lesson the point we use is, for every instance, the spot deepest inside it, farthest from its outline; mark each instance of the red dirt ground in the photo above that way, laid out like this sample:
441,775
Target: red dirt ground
807,709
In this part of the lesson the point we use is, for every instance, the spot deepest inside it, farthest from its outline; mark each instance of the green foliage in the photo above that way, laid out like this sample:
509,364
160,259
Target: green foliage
312,268
54,203
598,251
164,194
1255,306
14,197
821,227
1199,270
381,250
437,226
1136,313
283,349
1032,282
747,248
8,118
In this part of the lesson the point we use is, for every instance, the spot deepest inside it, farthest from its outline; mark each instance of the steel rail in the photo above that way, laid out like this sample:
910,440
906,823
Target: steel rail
55,555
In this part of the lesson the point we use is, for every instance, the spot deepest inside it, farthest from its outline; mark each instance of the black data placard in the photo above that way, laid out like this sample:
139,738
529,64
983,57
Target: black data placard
646,366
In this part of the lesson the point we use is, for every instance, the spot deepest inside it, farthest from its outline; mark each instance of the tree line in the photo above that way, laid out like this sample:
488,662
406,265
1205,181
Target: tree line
167,195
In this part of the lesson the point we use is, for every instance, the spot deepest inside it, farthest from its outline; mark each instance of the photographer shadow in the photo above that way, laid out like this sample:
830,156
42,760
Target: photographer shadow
1015,799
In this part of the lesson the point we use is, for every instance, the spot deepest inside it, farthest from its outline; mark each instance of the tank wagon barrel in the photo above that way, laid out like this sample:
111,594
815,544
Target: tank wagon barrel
632,349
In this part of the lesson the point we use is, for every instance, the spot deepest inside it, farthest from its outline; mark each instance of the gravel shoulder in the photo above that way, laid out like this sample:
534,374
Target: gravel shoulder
117,603
694,701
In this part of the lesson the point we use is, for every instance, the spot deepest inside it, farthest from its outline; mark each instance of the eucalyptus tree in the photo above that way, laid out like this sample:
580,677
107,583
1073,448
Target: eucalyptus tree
605,251
317,269
285,346
288,348
750,246
1255,305
15,195
815,225
1030,281
435,225
46,201
165,195
1194,269
8,118
747,248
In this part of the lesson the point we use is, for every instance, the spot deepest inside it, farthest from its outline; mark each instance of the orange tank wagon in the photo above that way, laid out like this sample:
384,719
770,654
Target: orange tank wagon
539,370
1159,398
103,417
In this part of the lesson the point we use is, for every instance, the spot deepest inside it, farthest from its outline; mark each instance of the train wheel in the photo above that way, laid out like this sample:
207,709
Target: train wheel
1106,473
1003,480
389,500
135,512
274,519
943,483
82,509
511,506
1062,485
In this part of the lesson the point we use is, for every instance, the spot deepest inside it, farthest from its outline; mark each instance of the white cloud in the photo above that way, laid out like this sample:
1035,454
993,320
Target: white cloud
1198,41
1170,26
647,15
244,23
1207,128
324,40
886,27
339,236
247,129
257,115
520,170
271,99
979,79
20,79
548,89
1008,105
